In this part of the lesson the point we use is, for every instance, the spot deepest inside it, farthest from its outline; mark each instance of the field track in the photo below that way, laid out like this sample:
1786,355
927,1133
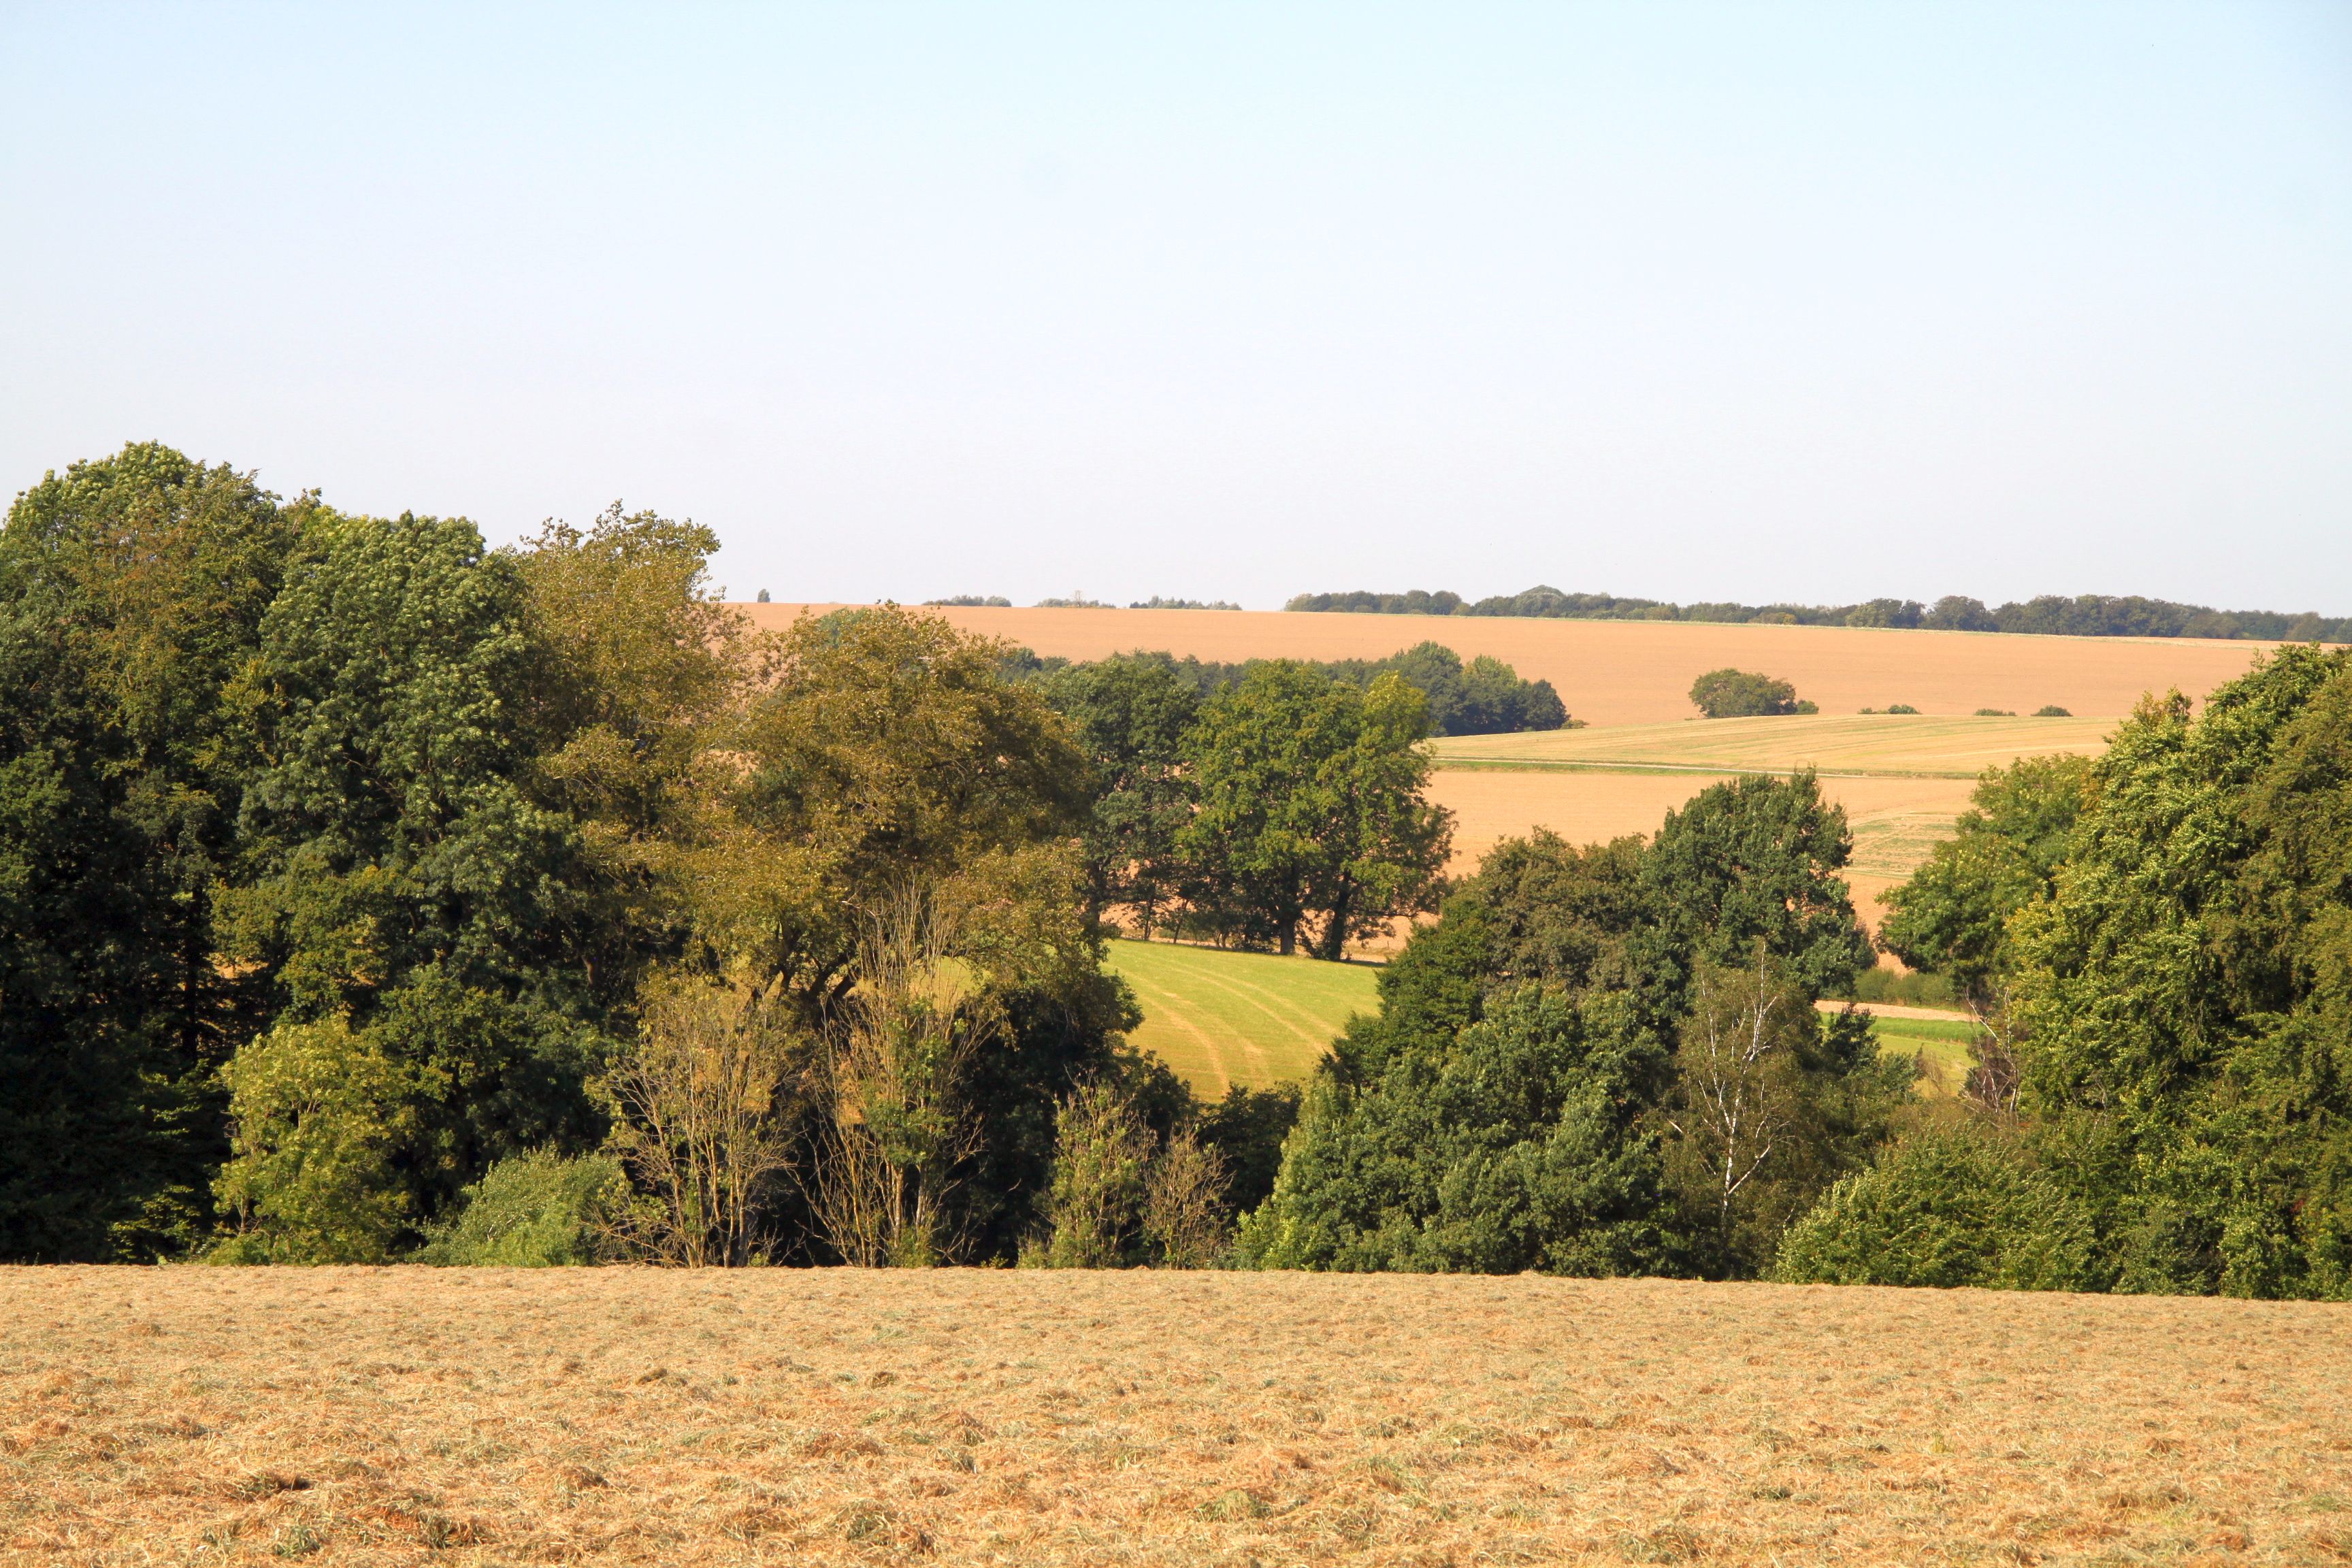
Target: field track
1640,672
194,1416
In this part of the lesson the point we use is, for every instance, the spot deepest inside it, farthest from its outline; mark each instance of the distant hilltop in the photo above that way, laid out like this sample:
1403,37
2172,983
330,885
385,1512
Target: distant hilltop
2052,614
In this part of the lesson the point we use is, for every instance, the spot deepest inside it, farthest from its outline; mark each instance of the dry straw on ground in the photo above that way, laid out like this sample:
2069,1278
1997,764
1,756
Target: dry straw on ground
353,1415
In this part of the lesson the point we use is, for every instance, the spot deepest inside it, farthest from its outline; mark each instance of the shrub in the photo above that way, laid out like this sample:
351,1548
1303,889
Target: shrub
1996,713
1738,694
1893,708
535,1211
1945,1209
2052,710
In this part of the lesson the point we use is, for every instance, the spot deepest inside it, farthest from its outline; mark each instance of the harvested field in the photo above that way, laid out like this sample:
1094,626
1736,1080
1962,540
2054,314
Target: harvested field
1895,820
1640,672
623,1416
1889,744
1224,1018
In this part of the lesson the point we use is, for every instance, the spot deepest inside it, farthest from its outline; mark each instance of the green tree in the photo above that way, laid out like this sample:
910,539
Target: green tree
399,883
1752,860
2186,992
1131,713
1311,809
1737,694
1952,917
132,590
1770,1104
1950,1208
1514,1143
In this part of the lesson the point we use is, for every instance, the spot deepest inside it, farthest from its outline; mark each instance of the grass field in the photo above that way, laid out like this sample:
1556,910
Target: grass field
214,1416
1880,745
1640,672
1249,1018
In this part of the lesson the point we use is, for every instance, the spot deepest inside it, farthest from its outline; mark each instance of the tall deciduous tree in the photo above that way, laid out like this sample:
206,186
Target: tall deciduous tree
402,886
1311,811
1131,713
131,591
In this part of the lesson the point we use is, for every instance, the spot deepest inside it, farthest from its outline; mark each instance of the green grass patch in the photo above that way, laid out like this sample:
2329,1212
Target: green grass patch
1224,1018
1941,1046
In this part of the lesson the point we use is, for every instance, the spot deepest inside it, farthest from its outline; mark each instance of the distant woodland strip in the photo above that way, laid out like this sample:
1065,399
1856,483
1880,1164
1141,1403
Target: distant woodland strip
2052,614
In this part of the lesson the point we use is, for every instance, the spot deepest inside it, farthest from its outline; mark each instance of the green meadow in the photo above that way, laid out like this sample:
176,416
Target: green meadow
1221,1018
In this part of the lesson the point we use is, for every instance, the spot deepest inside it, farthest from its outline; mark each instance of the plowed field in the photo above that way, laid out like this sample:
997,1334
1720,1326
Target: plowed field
1640,672
333,1416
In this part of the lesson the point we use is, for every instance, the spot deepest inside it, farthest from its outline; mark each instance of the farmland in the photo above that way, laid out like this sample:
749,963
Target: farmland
1640,672
1873,745
975,1417
1249,1018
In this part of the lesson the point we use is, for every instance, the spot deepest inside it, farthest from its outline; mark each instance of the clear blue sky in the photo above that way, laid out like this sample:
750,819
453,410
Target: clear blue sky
1692,302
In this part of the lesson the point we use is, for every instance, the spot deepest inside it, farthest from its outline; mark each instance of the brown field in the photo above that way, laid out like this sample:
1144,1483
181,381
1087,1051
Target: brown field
188,1415
1883,743
1640,672
1895,821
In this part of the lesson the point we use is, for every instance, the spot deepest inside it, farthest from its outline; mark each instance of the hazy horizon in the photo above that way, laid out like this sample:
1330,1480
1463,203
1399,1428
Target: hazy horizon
1808,304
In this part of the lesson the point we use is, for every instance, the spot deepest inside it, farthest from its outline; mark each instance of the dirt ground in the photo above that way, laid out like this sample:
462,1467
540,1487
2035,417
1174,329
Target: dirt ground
188,1415
1640,672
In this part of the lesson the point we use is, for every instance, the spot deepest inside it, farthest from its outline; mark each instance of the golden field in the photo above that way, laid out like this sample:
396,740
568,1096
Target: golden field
1886,744
1895,821
191,1415
1640,672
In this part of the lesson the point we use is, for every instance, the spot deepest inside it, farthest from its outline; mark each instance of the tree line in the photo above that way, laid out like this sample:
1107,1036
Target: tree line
369,893
1607,1061
2049,614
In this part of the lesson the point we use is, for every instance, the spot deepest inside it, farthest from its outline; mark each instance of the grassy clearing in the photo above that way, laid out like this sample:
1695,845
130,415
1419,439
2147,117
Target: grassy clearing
1224,1018
253,1417
1940,1044
1900,746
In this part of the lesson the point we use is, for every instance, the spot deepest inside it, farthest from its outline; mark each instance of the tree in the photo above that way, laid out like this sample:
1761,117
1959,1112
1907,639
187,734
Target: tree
1311,808
1735,694
702,1120
397,878
1752,860
132,590
1952,916
1131,712
2183,992
1515,1143
1954,1208
1770,1104
899,1061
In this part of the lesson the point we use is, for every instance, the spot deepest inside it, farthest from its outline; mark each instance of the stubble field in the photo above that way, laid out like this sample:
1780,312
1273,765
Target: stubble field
190,1416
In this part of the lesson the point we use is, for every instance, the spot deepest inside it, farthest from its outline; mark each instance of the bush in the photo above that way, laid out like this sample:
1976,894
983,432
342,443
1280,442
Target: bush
1738,694
2052,710
534,1211
1893,708
1943,1209
1996,713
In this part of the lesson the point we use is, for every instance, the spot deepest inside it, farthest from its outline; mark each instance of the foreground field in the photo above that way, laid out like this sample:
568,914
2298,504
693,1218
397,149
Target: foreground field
1884,745
619,1415
1640,672
1248,1018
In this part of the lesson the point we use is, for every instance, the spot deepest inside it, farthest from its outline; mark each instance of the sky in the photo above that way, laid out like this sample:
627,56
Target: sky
1760,302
